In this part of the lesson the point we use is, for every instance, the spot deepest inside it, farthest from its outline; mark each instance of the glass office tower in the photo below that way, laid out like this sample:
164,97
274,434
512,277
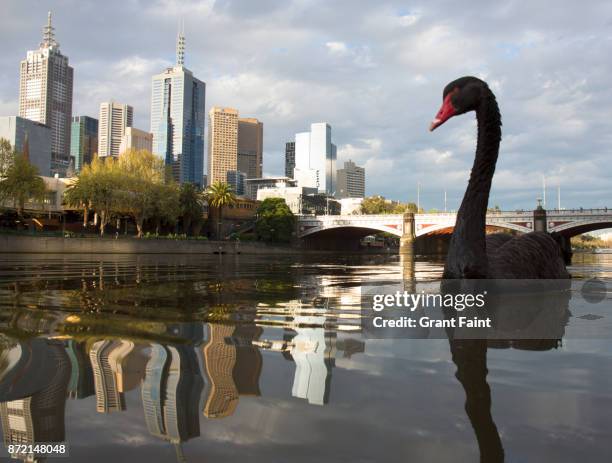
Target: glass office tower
178,119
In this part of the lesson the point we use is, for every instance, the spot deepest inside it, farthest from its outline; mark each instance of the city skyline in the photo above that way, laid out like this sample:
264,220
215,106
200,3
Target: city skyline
551,126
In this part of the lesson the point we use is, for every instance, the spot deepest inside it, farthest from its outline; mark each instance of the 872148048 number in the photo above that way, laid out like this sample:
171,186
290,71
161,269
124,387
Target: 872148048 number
41,449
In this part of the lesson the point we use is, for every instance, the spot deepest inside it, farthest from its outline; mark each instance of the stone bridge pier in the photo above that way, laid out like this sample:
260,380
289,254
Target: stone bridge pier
408,238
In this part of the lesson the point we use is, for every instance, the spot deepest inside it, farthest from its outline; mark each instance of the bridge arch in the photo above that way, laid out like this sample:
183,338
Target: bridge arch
392,225
495,225
579,227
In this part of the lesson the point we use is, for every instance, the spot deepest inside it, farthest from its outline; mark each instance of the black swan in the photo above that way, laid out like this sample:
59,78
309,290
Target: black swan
473,254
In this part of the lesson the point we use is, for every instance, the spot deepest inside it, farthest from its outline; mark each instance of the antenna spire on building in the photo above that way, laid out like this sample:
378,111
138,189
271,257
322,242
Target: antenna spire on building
180,45
49,34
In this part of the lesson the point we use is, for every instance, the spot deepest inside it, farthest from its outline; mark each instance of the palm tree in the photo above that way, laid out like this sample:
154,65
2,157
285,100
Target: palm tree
77,195
190,206
220,194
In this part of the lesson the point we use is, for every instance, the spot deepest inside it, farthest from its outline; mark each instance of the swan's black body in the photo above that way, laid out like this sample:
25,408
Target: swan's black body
473,254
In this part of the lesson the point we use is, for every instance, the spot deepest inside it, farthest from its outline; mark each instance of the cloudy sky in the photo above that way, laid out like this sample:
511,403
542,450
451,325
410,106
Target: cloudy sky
374,70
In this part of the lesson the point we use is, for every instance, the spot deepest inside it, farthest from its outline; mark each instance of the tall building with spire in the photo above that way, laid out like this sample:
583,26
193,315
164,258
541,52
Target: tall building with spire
45,95
178,118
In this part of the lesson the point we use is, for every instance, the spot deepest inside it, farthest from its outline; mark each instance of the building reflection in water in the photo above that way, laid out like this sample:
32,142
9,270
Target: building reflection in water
81,383
170,393
313,351
173,380
38,417
232,366
108,396
221,394
118,367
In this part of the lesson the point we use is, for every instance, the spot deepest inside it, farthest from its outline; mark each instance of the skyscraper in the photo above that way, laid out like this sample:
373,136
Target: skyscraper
351,181
250,147
83,140
237,180
315,159
114,119
222,143
178,119
45,95
22,132
289,158
136,139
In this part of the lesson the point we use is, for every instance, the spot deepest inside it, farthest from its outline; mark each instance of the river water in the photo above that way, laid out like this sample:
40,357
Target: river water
238,358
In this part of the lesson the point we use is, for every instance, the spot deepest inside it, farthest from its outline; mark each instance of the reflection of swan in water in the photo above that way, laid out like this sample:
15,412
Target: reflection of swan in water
470,357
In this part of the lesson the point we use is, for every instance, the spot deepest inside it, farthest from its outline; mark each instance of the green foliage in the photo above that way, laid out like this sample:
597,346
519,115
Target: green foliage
133,184
97,188
275,221
190,205
218,195
380,205
21,183
7,154
586,242
402,208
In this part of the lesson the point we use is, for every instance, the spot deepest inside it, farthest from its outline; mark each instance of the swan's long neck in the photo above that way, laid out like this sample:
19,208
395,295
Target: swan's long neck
467,257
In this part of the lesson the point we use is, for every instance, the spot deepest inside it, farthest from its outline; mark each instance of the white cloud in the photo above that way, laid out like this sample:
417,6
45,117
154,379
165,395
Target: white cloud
375,72
337,48
177,8
408,20
366,149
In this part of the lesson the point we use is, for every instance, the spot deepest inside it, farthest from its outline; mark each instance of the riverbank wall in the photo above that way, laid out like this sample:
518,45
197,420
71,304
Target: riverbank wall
58,245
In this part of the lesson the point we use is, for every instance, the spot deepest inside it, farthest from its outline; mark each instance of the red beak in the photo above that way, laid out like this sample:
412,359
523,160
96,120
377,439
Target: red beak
446,112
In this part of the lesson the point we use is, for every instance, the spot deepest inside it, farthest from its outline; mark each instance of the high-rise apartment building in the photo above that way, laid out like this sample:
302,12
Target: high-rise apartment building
235,147
250,147
83,140
315,159
178,119
45,95
222,143
289,158
350,181
136,139
33,137
115,118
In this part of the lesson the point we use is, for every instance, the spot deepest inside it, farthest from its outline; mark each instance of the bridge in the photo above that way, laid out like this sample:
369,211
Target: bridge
410,227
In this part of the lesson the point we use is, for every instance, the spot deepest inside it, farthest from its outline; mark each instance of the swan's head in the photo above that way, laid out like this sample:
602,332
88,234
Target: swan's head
460,96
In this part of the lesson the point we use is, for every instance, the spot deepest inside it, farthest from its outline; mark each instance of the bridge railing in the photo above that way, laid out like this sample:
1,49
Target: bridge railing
515,213
598,211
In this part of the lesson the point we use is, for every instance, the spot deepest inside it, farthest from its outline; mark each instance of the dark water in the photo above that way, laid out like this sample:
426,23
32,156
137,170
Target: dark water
234,359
